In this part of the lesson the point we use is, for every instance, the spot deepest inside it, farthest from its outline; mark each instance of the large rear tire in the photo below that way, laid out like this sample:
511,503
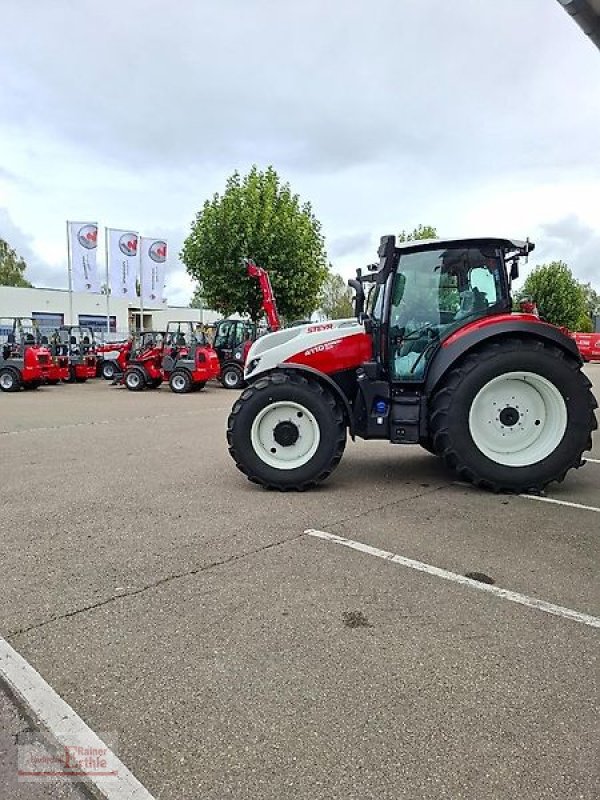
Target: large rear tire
10,380
513,416
286,432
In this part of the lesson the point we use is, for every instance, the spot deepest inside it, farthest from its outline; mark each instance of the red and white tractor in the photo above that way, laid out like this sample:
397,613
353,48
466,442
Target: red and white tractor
438,359
188,360
24,362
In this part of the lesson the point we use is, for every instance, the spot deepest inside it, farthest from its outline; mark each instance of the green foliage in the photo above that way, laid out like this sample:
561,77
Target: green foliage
12,267
198,298
257,217
418,233
559,297
336,298
592,299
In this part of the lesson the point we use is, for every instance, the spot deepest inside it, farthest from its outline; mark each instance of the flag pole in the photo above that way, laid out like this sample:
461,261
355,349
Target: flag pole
107,285
70,275
141,286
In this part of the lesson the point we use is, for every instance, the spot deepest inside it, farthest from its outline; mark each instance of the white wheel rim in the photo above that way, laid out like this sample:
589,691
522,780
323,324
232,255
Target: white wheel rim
178,383
6,380
109,370
518,419
133,380
276,455
231,378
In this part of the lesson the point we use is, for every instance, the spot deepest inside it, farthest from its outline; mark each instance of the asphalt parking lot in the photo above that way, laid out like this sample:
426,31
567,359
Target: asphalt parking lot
172,603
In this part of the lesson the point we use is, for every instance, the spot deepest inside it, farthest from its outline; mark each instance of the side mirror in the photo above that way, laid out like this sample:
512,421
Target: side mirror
359,298
514,270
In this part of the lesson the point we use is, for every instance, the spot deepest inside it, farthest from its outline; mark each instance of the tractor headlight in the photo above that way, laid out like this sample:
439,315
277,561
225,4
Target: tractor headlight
252,365
238,356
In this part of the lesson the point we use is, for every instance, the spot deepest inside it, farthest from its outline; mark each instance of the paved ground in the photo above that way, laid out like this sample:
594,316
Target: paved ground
175,605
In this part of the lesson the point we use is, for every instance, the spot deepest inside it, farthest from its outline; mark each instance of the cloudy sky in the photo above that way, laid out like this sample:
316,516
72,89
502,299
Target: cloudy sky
473,115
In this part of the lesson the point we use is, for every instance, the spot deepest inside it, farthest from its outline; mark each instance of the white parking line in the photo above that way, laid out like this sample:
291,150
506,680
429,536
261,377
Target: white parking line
58,719
592,460
505,594
559,502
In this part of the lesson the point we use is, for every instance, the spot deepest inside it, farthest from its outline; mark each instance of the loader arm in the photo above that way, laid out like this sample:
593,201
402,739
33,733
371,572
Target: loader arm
269,306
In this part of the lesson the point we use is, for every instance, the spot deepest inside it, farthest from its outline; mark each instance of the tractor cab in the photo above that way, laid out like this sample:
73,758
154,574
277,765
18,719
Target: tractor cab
231,342
189,361
24,361
77,342
424,291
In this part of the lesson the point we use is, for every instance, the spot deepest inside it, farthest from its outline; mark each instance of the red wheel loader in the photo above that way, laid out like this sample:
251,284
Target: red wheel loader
24,362
77,343
435,357
141,362
188,360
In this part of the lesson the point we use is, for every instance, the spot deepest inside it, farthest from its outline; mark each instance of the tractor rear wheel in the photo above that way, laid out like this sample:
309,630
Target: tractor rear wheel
135,379
10,380
232,377
286,432
513,416
180,381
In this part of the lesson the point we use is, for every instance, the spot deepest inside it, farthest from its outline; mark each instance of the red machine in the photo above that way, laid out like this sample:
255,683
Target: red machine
188,361
141,362
589,345
112,358
438,359
24,361
233,338
77,343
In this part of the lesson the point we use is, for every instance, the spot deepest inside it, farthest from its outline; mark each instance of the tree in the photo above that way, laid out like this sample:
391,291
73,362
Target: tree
592,303
257,217
418,233
198,299
12,267
336,298
559,297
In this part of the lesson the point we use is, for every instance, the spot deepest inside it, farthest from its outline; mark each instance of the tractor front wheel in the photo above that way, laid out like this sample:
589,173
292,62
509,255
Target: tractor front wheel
180,382
10,380
286,432
134,379
513,416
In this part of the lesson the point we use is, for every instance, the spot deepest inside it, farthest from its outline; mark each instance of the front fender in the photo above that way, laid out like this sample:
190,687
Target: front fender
323,378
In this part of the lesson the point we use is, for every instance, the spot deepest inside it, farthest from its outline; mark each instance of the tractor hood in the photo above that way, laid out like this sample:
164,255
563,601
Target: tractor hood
326,346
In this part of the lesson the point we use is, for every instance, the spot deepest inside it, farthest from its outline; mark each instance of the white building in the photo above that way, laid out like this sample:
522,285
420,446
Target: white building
55,307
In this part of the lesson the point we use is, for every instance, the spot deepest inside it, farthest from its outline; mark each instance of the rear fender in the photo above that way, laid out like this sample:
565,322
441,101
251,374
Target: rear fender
449,354
328,382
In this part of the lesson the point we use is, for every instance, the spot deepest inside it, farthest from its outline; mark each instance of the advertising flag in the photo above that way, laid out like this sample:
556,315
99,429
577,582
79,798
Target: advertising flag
83,242
152,268
123,259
